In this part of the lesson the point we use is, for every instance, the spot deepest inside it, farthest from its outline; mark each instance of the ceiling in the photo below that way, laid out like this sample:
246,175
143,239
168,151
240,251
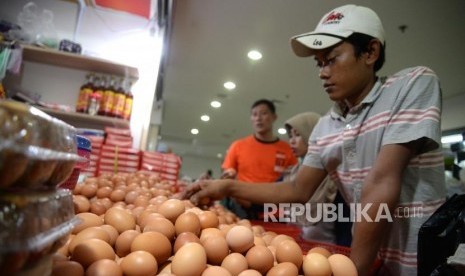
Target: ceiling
208,46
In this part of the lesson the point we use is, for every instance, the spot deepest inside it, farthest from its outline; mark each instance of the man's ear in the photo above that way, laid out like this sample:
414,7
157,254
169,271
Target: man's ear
374,50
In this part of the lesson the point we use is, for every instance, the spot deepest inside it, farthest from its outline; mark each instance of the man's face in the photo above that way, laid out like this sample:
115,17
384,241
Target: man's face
262,118
344,76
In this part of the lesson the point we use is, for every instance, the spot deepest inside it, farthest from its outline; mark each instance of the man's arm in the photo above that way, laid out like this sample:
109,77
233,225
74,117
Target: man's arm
300,190
382,186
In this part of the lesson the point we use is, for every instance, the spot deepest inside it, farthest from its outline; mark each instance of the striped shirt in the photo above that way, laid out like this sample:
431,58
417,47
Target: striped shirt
402,108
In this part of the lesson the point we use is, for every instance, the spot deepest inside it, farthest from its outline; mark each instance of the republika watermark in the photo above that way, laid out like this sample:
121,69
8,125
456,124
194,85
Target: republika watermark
330,212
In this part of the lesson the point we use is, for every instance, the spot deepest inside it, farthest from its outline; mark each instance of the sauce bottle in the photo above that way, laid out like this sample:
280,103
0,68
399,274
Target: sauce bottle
84,92
106,105
119,100
128,102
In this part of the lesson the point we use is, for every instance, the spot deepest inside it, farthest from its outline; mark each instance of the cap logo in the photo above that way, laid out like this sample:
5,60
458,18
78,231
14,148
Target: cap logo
333,18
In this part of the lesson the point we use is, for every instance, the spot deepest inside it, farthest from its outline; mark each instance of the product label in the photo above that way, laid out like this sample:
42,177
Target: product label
83,99
127,109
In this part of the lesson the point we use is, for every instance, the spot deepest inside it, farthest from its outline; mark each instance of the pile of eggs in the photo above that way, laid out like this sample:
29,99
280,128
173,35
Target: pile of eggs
133,225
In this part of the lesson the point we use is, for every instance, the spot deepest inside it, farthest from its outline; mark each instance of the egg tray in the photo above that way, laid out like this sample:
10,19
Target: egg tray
37,151
34,221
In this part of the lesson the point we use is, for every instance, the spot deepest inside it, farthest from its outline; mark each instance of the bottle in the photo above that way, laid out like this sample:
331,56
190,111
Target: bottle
84,92
94,103
106,105
128,102
99,88
119,100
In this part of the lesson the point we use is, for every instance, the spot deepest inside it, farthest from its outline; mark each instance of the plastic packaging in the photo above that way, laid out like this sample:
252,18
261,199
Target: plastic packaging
33,228
37,151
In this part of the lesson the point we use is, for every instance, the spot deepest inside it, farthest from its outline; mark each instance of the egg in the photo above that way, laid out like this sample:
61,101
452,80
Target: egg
104,267
250,272
171,209
139,263
187,222
316,265
260,258
342,265
190,259
216,271
283,269
81,204
235,263
216,249
120,219
92,250
162,225
117,195
183,239
208,219
289,251
210,232
123,242
321,250
155,243
70,268
240,239
89,233
87,220
258,241
112,232
280,238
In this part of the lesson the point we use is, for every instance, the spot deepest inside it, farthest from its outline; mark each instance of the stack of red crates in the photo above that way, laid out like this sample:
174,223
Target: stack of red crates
96,138
167,165
117,154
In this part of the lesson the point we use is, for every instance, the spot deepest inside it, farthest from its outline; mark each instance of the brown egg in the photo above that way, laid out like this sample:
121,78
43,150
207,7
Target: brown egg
268,238
117,195
235,263
171,209
283,269
342,265
139,263
130,197
260,258
104,192
184,238
210,232
87,220
289,251
258,241
123,242
104,267
240,239
70,268
120,219
320,250
155,243
216,249
92,250
81,204
316,264
112,232
97,208
258,230
162,225
64,249
187,222
280,238
190,259
208,219
250,272
89,190
95,232
216,271
146,216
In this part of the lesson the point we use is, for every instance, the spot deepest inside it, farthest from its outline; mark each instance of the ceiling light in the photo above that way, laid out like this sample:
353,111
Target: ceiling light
229,85
205,118
219,155
254,55
215,104
194,131
282,131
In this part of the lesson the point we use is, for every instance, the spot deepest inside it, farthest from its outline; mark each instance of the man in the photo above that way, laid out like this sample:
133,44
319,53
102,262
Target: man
260,157
380,142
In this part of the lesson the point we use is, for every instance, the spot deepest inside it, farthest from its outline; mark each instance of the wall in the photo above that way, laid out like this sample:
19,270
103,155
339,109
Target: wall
453,112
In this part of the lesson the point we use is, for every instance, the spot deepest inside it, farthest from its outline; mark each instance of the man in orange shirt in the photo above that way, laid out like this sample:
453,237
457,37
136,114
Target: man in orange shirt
259,157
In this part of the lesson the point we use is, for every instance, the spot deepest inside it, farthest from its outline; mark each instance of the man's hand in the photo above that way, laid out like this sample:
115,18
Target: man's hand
206,191
229,174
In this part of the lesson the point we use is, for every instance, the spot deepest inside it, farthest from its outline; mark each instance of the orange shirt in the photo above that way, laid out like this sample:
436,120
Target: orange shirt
258,161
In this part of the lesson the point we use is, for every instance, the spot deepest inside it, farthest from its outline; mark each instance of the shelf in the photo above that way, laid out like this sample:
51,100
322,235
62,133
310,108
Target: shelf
82,120
75,61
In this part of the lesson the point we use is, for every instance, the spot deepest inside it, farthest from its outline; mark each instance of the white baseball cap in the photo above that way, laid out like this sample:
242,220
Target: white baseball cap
337,25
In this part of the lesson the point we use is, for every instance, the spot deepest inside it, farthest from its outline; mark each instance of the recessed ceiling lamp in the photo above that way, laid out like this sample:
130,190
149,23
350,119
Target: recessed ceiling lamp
229,85
194,131
215,104
254,55
454,138
205,118
282,131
